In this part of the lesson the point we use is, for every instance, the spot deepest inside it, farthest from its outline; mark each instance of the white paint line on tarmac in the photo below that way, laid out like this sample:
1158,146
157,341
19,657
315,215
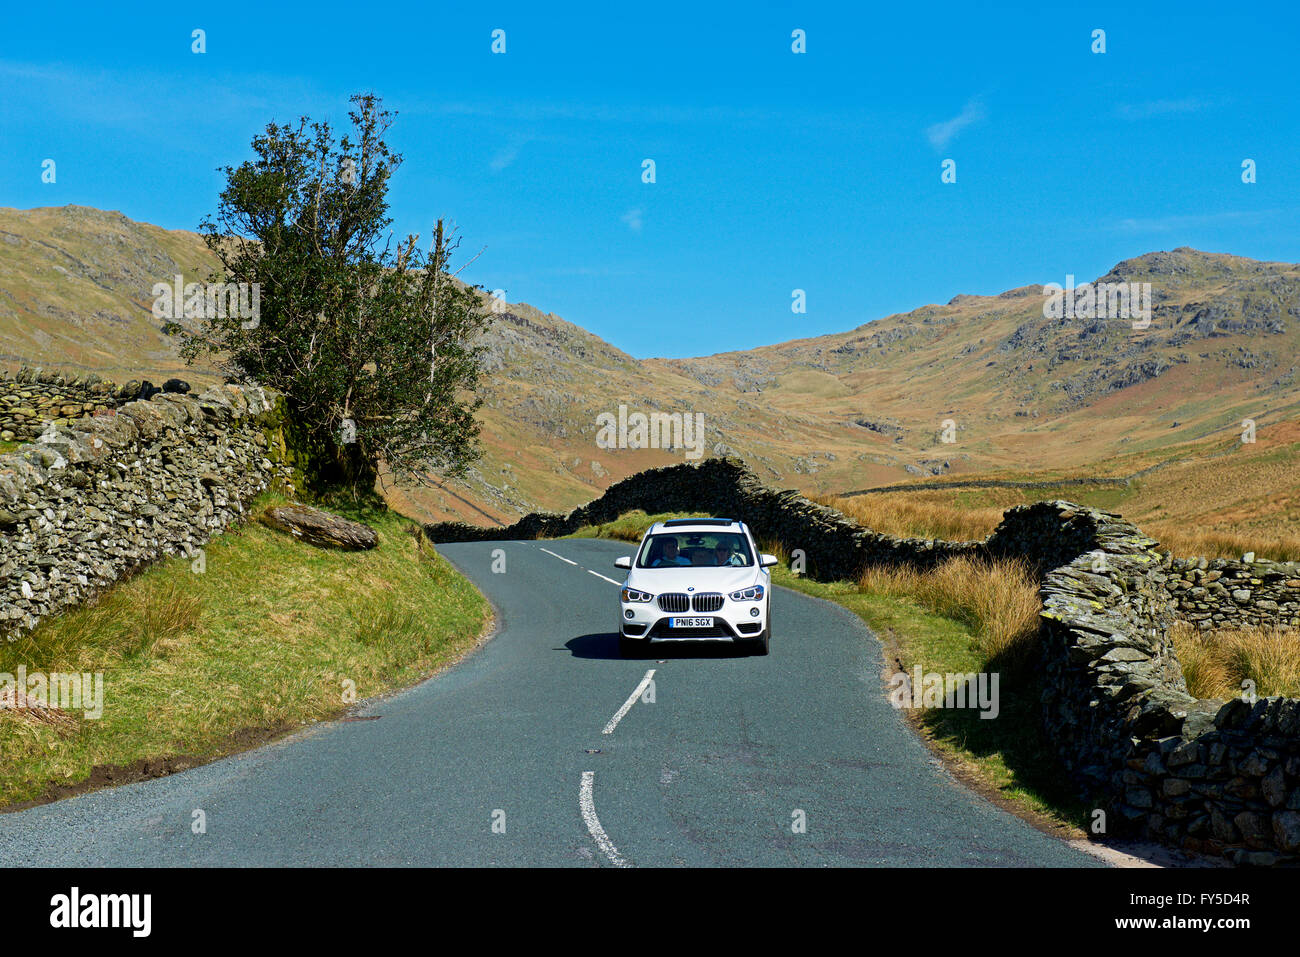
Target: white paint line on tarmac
587,805
599,575
627,705
560,557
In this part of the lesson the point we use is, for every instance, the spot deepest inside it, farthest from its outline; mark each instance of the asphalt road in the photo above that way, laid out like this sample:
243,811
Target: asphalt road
506,760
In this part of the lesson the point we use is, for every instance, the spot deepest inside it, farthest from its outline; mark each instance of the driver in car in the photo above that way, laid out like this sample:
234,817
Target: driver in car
725,556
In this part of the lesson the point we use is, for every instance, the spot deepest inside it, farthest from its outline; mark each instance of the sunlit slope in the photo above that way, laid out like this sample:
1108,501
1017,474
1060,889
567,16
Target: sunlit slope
1021,394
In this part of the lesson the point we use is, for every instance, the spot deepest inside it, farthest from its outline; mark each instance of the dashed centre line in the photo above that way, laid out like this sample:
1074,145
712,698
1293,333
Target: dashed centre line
560,557
627,705
570,561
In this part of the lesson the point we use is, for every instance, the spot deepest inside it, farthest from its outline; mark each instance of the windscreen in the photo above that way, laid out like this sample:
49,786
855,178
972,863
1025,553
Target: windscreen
699,549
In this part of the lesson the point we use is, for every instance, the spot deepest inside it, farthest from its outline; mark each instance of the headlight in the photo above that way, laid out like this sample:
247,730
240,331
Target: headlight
631,594
748,594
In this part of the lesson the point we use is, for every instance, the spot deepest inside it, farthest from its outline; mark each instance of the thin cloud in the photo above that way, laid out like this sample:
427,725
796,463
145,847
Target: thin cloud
633,219
506,157
1143,111
1166,224
941,134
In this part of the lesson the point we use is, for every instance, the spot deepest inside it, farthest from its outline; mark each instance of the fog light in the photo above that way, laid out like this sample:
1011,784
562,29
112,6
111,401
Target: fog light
753,613
628,613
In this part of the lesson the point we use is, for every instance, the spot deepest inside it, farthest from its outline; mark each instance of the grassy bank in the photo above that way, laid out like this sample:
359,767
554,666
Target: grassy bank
270,635
963,617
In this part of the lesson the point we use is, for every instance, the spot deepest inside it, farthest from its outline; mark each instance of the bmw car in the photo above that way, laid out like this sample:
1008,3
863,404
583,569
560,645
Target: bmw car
696,579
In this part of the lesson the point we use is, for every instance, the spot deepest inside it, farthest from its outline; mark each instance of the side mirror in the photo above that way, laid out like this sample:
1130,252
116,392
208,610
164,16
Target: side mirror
624,562
767,561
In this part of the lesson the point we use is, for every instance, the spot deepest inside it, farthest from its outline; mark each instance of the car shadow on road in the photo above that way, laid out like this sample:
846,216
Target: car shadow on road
604,645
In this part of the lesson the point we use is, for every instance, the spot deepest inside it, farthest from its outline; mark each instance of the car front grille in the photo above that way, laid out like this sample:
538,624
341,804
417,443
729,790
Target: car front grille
708,601
675,601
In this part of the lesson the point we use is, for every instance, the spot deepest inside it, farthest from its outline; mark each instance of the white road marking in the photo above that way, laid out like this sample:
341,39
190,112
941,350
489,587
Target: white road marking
627,705
560,557
587,804
599,575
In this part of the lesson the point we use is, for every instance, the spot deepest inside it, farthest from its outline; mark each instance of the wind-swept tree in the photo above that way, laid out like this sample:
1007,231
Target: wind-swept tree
370,341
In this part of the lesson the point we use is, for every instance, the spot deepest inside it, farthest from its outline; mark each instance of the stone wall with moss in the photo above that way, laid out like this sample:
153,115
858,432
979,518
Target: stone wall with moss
91,500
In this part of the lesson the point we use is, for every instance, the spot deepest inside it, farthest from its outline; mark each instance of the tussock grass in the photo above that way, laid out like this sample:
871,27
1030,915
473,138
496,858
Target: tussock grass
773,546
1215,663
908,515
897,515
270,636
1185,543
998,600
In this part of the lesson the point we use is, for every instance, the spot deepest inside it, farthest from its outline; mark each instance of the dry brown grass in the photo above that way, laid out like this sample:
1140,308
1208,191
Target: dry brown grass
998,600
903,515
906,518
1215,663
1213,544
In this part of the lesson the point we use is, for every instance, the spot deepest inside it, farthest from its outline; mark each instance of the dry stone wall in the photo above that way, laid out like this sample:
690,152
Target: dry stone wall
1203,774
33,398
835,546
1218,593
90,501
1207,775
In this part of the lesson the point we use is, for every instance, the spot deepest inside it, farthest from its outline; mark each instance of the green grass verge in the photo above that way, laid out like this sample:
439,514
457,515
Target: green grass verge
273,634
1008,756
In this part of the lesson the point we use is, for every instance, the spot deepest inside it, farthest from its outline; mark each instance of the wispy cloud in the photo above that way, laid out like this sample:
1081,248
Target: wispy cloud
1150,108
506,156
1168,224
633,219
941,134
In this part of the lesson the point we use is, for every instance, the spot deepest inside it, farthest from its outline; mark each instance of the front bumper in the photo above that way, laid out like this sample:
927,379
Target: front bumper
732,622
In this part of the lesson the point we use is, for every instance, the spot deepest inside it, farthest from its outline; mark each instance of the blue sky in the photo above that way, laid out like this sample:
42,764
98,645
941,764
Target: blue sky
775,171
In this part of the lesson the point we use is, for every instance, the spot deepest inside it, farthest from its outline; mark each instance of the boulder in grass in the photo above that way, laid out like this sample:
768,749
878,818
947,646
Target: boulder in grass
320,528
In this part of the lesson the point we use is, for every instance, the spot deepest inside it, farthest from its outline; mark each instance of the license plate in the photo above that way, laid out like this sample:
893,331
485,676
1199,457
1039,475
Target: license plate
690,622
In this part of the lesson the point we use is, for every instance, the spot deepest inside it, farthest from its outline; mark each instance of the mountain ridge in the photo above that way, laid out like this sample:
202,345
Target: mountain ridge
980,385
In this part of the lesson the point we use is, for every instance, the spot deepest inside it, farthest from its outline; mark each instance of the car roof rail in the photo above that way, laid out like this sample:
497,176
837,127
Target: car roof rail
679,522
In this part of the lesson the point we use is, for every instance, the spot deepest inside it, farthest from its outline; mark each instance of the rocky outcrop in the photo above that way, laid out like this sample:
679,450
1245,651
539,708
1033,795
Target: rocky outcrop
90,501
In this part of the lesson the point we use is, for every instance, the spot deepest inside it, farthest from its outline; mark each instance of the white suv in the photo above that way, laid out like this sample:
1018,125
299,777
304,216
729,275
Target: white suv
696,579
